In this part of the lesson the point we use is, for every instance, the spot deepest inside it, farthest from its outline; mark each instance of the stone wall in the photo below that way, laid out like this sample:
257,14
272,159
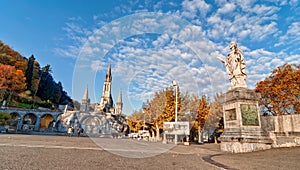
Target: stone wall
281,124
268,123
284,130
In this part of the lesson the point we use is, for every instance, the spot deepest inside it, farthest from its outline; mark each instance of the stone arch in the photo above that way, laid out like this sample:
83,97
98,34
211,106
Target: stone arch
46,119
91,124
29,120
15,120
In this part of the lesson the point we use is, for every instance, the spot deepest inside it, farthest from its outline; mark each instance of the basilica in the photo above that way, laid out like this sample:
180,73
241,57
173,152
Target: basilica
105,120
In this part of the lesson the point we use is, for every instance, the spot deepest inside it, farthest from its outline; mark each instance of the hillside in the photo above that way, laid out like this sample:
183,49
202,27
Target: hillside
23,82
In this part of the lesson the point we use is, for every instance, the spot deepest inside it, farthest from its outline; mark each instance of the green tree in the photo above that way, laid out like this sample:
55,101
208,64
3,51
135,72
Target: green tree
29,73
50,90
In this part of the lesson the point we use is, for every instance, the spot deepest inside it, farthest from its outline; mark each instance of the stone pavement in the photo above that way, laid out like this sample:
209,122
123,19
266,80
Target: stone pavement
61,152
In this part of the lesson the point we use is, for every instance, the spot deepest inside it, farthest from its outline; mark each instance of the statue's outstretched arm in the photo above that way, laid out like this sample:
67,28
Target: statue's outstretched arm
222,59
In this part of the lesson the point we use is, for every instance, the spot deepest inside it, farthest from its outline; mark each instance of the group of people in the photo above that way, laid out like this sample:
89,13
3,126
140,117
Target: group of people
70,131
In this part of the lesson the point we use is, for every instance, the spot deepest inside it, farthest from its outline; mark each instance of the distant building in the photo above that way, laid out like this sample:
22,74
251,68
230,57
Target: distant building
105,120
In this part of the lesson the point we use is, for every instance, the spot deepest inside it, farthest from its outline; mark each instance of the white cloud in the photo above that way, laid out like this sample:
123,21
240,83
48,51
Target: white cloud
263,10
291,36
69,51
258,53
227,8
97,65
293,59
243,22
191,8
88,50
294,3
161,40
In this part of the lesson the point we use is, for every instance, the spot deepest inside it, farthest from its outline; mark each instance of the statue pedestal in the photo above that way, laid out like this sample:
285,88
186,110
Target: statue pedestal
242,126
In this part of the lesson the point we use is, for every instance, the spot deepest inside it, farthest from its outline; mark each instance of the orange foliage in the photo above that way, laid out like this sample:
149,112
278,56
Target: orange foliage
281,91
11,79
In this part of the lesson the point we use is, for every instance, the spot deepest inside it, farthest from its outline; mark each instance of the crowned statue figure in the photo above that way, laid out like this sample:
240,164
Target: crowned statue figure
235,66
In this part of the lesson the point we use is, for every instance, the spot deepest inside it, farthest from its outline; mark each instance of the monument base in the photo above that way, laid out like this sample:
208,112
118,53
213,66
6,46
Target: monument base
239,140
239,147
242,126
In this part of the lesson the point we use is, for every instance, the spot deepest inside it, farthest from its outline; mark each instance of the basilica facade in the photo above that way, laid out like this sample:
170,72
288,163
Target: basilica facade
106,119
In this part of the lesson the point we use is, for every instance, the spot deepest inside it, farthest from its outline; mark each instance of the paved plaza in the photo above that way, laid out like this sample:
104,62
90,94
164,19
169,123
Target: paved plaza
61,152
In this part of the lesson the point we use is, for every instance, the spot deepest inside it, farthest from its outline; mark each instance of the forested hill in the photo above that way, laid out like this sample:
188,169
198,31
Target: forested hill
24,82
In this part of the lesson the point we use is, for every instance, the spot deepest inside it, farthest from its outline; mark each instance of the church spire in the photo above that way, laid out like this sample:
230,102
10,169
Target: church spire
85,102
120,97
108,76
106,101
119,104
86,93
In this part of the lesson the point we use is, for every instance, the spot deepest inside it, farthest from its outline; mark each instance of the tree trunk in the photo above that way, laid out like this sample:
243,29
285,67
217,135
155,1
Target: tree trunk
157,132
153,135
199,135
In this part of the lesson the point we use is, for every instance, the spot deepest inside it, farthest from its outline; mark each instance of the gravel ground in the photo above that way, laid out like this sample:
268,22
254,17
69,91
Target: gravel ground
60,152
279,158
43,158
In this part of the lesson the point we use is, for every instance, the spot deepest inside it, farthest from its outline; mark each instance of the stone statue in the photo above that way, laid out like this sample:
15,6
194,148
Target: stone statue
235,66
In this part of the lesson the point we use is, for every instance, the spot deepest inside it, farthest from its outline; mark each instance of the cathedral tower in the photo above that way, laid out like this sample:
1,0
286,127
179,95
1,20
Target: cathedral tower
106,101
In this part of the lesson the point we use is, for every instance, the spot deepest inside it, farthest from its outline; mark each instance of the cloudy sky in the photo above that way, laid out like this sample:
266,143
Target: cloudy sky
151,43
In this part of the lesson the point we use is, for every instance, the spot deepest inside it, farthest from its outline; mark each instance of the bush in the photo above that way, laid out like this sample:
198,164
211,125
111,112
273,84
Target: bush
46,104
4,118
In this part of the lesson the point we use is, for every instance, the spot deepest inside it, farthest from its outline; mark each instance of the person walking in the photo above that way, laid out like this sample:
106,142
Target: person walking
82,131
78,131
69,131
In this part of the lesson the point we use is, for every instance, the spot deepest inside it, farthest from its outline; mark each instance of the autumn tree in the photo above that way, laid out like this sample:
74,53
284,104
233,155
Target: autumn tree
157,106
135,121
8,56
39,81
280,92
11,80
154,111
183,113
168,113
215,114
200,109
159,109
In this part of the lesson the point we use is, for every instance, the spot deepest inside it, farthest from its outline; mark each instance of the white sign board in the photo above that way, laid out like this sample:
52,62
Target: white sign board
179,128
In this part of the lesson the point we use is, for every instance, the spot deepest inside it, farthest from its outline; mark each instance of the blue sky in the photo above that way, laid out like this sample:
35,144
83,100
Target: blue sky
151,43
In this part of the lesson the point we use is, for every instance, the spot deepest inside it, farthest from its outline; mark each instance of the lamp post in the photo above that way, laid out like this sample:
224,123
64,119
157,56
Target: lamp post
144,107
176,105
